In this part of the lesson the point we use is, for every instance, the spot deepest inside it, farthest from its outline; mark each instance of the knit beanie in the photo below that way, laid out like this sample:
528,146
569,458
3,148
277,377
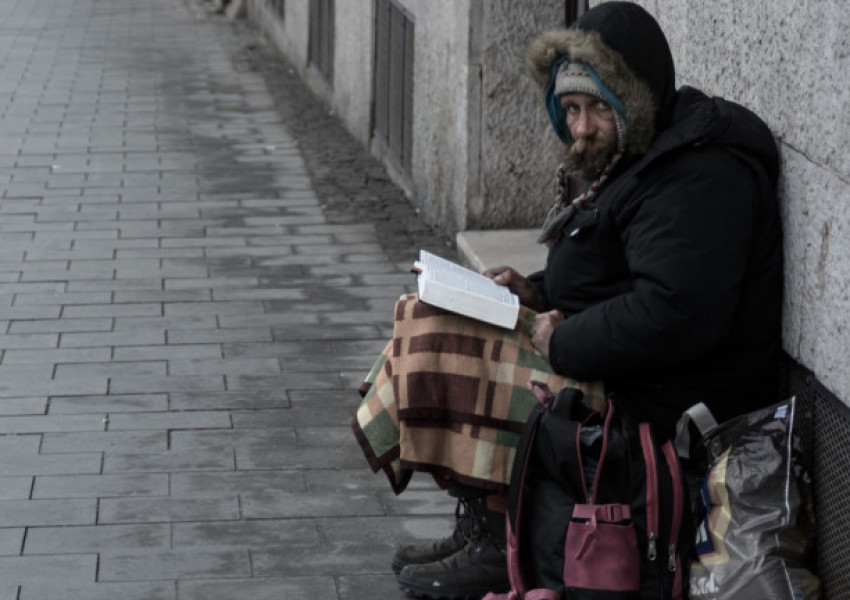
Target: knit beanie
571,77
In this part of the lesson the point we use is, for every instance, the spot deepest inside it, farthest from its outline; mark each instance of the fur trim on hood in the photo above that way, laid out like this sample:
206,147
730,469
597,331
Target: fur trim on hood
587,47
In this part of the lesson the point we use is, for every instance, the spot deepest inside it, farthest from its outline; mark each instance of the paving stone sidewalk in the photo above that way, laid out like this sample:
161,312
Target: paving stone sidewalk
197,267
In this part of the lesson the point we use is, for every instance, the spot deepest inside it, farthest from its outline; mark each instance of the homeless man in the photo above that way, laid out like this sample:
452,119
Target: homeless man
663,281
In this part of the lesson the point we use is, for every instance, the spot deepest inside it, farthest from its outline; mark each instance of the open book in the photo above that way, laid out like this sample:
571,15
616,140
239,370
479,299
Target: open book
452,287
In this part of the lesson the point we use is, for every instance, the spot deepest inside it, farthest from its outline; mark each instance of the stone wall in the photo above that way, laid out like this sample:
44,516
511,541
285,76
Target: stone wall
786,60
440,113
483,155
518,150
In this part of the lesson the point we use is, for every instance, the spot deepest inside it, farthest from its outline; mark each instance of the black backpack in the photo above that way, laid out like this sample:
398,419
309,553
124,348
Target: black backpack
625,537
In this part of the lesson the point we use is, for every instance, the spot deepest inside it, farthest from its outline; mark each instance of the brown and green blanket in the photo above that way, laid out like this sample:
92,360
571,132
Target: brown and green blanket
449,395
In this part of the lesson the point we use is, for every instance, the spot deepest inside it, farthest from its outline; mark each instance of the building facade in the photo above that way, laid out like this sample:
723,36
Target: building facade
437,89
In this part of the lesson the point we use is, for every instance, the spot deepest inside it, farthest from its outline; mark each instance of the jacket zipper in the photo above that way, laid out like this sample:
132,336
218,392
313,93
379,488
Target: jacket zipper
678,508
651,492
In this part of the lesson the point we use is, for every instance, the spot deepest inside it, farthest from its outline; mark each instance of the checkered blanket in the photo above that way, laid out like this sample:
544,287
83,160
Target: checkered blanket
449,395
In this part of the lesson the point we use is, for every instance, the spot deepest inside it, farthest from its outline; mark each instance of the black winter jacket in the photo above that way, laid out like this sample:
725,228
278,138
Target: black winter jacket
671,280
670,277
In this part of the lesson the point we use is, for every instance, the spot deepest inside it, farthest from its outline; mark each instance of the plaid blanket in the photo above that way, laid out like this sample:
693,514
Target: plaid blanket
449,395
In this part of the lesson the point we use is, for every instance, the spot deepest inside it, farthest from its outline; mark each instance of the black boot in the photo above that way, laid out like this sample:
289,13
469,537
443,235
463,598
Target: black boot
419,554
479,567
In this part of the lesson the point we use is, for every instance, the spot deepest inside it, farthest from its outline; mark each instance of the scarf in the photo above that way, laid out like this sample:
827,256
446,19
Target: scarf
562,212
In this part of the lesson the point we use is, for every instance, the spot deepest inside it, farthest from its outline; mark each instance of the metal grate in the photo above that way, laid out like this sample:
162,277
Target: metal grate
321,37
797,381
823,434
831,484
393,107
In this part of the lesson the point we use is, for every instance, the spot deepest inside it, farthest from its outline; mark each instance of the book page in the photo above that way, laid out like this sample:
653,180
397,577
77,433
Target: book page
456,276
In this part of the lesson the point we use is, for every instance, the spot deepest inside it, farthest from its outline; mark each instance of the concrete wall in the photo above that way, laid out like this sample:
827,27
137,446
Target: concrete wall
349,95
440,92
483,155
353,64
518,150
786,60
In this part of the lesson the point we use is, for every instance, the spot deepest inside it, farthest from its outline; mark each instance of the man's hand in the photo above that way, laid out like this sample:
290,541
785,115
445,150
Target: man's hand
542,328
519,285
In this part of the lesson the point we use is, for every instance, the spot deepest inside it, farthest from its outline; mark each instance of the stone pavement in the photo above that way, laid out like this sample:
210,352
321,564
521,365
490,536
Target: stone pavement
197,267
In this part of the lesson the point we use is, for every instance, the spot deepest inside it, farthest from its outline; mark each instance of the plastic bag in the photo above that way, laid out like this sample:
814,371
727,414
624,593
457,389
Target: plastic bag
757,526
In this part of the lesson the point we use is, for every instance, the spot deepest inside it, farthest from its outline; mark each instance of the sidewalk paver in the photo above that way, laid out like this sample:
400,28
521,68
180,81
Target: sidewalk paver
197,267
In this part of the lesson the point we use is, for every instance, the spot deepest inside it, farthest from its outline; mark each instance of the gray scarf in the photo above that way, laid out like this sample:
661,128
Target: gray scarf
562,212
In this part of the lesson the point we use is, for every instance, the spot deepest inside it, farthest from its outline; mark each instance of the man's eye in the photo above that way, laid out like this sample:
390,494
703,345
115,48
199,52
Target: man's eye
602,106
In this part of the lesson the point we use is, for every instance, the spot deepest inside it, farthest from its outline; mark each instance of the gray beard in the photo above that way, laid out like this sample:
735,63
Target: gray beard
589,166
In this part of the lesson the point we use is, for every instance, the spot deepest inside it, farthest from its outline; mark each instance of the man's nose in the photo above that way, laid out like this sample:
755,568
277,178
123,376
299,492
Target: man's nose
584,125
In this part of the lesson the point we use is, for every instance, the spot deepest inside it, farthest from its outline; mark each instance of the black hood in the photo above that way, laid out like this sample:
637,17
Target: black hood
743,133
699,120
635,35
624,45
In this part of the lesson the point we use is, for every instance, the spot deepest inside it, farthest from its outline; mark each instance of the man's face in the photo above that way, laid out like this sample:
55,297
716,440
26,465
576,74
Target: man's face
592,126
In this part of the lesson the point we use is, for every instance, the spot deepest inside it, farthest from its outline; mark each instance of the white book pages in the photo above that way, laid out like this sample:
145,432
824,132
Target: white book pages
455,288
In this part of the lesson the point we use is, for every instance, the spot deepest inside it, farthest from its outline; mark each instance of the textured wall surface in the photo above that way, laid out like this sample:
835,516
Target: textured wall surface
441,33
350,92
816,214
519,152
787,60
440,108
353,64
483,155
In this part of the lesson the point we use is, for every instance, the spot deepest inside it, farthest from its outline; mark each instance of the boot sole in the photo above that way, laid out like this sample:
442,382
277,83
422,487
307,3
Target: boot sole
398,564
435,593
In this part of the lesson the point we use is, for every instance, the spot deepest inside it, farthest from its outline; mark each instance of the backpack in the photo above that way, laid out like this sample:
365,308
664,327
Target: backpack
603,519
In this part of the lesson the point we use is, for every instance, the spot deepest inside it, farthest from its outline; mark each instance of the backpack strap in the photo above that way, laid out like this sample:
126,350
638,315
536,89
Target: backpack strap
566,406
521,462
572,467
701,417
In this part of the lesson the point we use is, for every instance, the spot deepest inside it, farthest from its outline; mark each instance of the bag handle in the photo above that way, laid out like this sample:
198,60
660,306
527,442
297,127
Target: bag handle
700,415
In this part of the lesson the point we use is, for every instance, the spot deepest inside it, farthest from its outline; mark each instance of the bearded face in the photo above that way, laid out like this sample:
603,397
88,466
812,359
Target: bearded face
592,126
588,156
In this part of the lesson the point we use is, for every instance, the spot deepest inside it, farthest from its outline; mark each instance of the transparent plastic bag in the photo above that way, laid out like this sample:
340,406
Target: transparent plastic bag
757,528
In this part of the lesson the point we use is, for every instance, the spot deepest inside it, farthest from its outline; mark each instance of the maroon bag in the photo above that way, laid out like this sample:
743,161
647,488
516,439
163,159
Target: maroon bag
602,539
593,519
